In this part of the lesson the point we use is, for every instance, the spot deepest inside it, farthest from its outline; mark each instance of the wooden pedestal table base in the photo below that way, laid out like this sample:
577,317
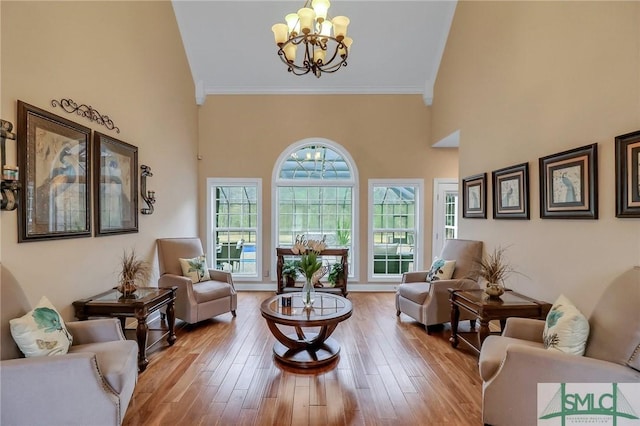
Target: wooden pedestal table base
306,349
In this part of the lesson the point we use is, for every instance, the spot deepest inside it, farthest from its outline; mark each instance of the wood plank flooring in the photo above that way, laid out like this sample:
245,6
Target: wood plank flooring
390,372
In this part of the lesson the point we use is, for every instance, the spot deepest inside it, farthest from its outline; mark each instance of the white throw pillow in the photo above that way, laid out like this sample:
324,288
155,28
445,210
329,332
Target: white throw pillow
41,331
441,270
565,329
195,268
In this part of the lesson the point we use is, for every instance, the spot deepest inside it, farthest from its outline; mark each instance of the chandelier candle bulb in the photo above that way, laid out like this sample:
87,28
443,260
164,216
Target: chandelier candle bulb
340,24
325,28
290,52
321,8
347,43
293,23
280,33
318,57
307,16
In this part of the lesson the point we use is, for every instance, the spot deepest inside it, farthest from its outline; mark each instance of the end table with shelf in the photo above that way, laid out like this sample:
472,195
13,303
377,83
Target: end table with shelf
486,309
147,300
339,288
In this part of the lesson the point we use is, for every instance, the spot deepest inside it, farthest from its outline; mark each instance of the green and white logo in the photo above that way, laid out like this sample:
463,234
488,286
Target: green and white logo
564,404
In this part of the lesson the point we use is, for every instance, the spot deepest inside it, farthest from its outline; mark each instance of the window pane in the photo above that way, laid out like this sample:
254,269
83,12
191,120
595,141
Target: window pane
394,229
315,162
235,229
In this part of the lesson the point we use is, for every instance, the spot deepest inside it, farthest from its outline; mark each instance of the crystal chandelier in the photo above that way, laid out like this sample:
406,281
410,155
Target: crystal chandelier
323,41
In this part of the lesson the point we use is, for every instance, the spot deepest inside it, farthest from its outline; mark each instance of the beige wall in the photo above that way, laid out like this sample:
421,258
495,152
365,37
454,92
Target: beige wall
523,80
387,136
126,60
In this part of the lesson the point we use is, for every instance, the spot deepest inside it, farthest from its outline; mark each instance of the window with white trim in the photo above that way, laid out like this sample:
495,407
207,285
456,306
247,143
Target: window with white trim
395,224
234,226
315,195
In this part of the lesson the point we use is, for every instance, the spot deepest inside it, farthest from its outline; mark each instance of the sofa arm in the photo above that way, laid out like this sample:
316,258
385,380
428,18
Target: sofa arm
93,331
170,280
61,389
443,286
225,277
524,329
414,277
510,396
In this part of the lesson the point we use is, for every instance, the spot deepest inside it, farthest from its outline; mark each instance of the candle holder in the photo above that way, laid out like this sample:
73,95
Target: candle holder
149,197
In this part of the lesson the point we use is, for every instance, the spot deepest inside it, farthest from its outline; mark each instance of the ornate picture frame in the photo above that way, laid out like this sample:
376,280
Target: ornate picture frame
511,192
116,186
569,184
474,196
54,159
628,175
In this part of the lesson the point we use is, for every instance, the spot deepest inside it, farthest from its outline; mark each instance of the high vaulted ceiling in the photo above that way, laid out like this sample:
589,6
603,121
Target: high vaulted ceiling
397,47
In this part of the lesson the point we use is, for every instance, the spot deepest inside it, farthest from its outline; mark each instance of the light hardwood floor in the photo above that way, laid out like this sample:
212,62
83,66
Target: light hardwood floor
390,372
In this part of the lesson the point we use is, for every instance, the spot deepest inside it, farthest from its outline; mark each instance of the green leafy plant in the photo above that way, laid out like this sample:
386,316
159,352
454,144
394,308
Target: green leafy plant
335,274
343,235
290,270
309,264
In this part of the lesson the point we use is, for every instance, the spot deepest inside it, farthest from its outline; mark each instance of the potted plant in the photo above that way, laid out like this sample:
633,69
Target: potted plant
290,270
494,269
336,274
133,272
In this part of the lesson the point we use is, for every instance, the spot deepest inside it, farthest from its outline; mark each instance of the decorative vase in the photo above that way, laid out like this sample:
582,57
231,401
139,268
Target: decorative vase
308,293
127,288
494,290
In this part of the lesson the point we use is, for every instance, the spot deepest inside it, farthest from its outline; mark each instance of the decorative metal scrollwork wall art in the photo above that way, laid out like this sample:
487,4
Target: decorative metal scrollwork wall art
87,112
10,184
149,197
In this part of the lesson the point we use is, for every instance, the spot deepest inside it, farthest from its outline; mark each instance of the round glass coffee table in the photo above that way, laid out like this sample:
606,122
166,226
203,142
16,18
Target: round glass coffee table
305,349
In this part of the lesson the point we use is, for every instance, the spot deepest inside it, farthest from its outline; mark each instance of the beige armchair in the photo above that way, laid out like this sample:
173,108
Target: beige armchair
428,303
512,365
90,385
194,301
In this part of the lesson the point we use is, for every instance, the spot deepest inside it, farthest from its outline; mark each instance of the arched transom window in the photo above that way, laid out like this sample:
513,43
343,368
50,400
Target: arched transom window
315,195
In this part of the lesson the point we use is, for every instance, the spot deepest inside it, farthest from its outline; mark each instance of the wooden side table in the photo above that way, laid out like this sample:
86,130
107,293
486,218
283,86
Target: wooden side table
340,288
485,309
148,300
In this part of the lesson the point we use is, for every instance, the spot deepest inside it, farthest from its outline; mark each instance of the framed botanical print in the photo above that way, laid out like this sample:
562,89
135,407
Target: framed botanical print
474,197
116,186
54,160
511,192
569,184
628,175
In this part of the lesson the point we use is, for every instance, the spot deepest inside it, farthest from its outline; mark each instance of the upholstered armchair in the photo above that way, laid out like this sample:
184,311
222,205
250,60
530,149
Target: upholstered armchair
90,385
194,301
428,303
512,365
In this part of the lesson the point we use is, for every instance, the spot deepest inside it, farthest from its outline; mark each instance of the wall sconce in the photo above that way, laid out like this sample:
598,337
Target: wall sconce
10,184
149,197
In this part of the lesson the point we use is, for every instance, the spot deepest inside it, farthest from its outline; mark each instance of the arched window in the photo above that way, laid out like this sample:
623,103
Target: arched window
315,194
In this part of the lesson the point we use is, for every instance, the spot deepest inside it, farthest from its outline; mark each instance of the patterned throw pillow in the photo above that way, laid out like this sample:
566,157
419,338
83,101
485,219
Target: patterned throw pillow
195,268
565,329
441,270
41,331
